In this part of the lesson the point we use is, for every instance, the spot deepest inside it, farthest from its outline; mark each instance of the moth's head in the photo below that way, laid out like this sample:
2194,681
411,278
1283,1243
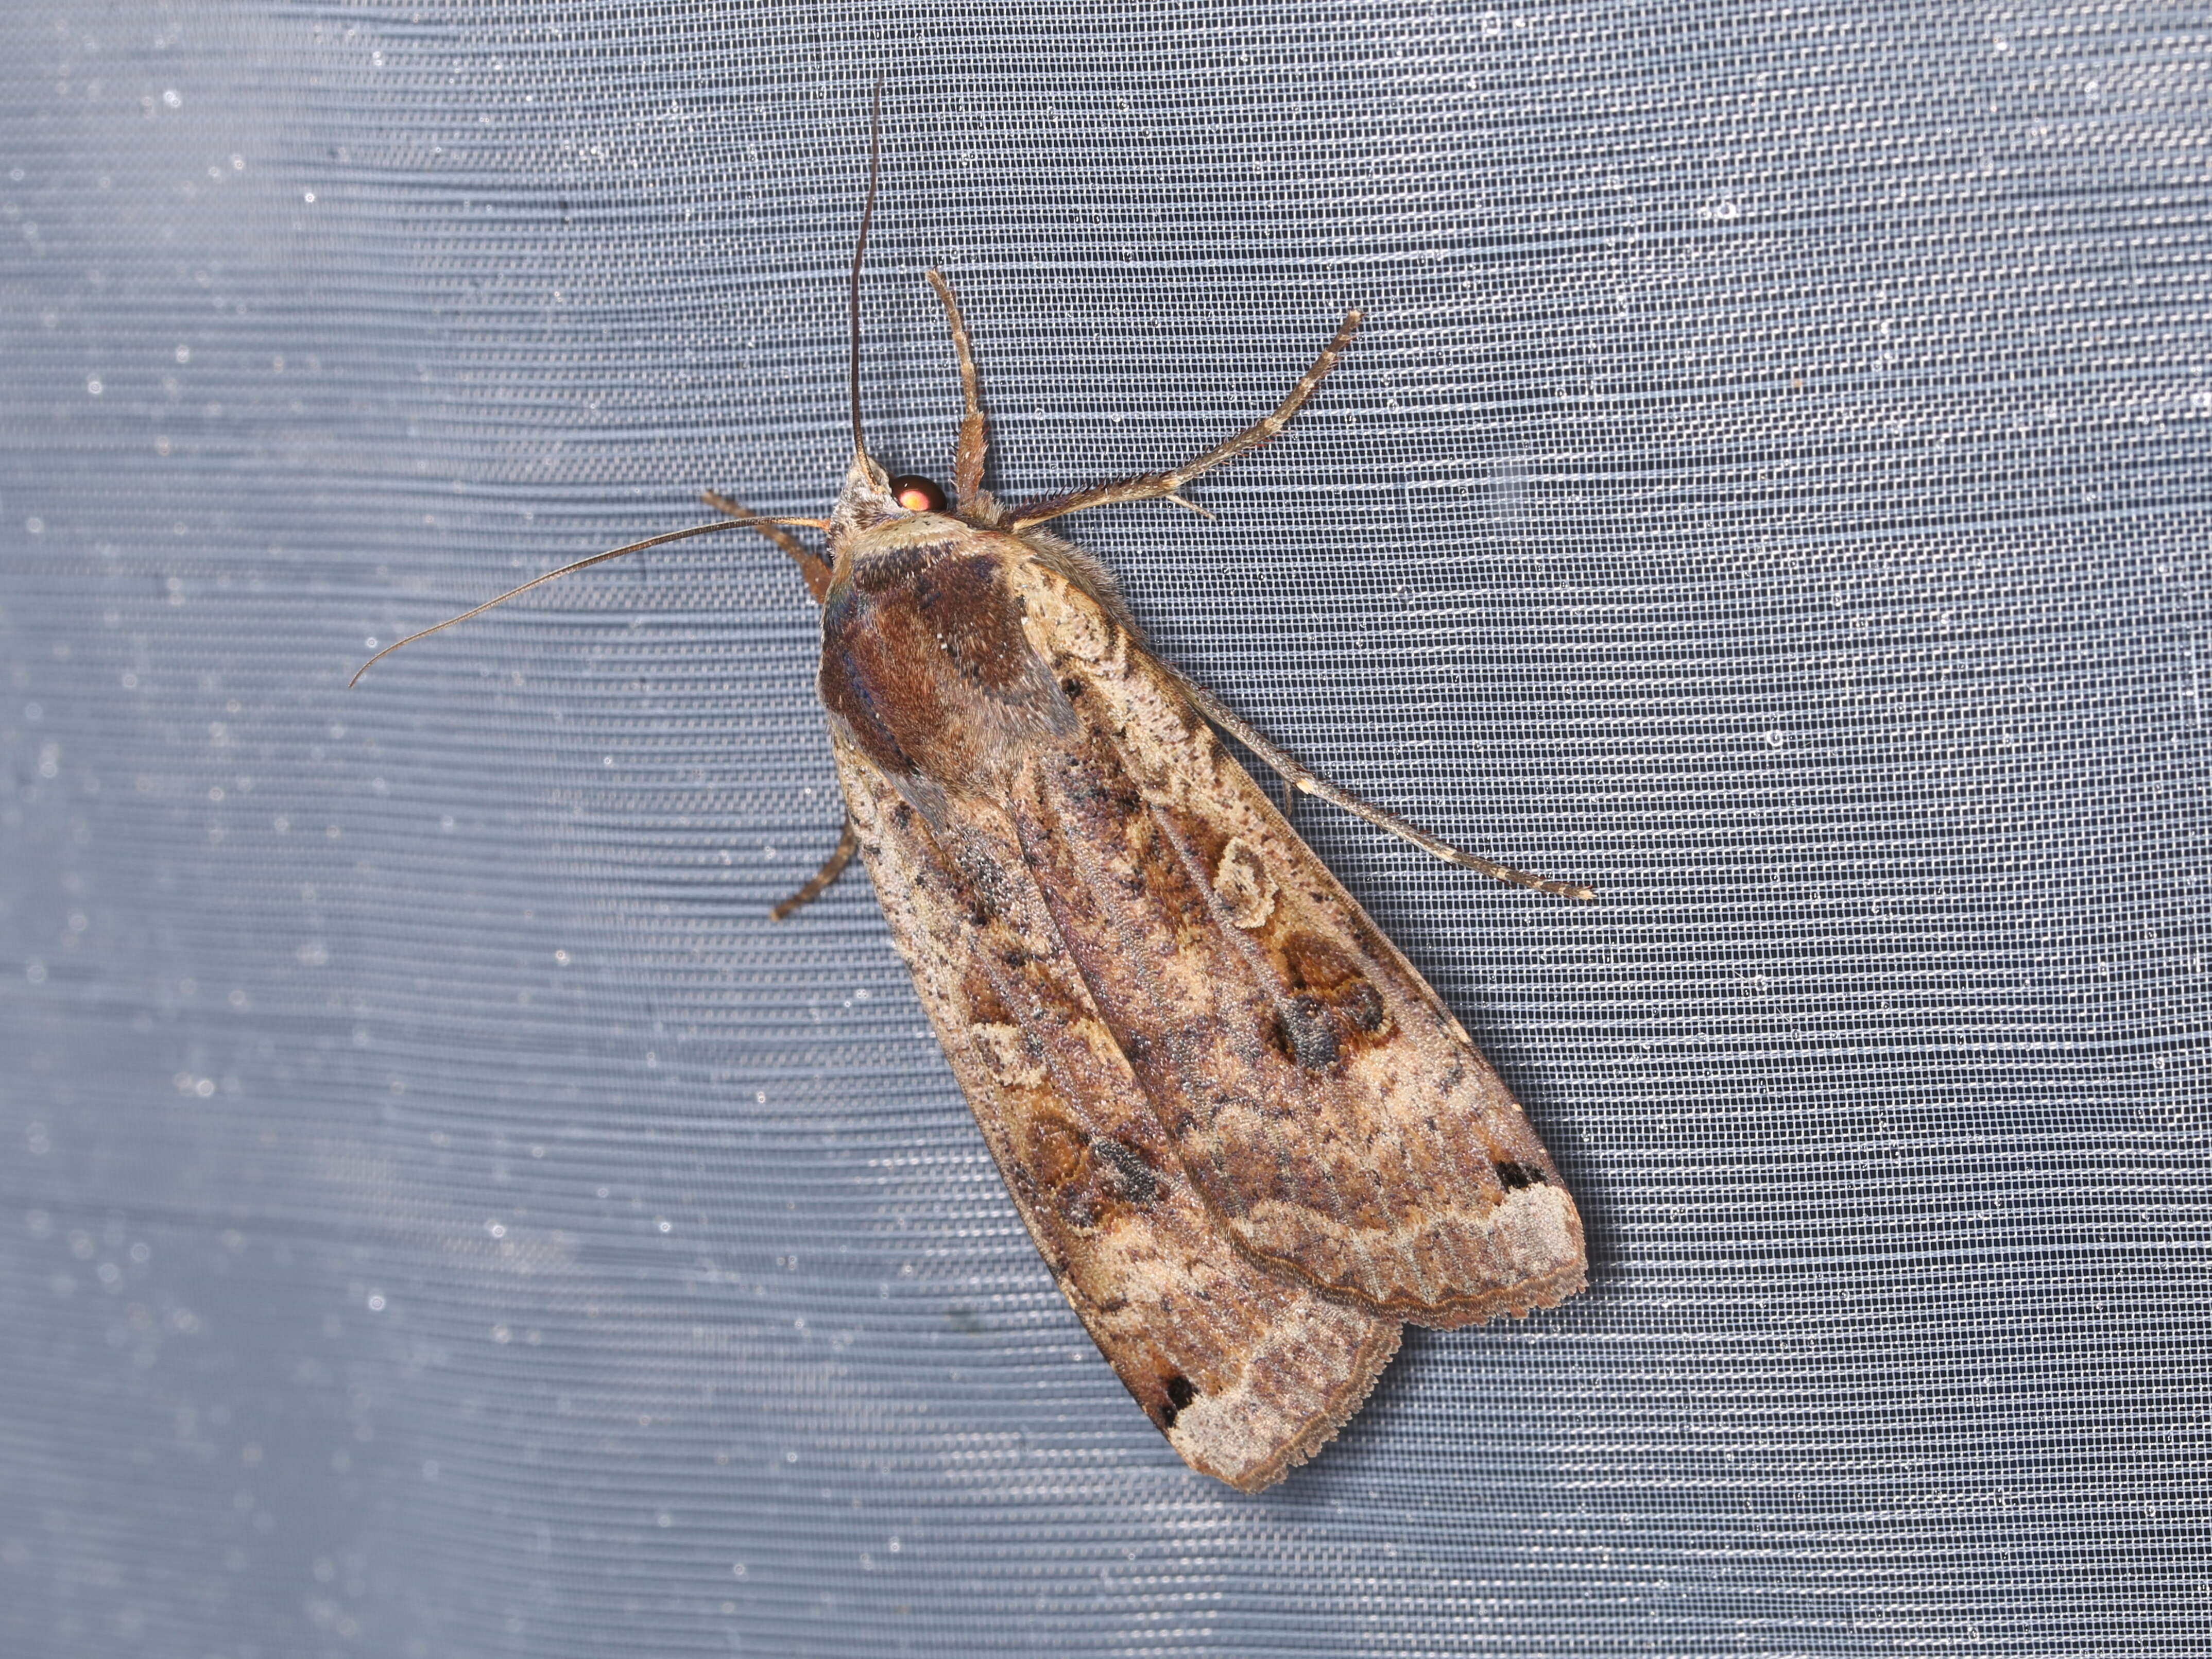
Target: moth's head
872,497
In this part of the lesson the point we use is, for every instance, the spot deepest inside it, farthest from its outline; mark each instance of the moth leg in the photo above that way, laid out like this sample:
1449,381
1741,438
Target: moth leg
968,457
1306,783
812,565
832,867
816,570
1152,486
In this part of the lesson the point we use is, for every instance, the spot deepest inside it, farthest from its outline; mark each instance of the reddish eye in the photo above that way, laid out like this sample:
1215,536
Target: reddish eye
918,495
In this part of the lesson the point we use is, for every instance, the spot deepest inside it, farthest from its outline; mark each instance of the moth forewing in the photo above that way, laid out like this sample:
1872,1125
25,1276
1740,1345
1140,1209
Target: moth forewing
1331,1110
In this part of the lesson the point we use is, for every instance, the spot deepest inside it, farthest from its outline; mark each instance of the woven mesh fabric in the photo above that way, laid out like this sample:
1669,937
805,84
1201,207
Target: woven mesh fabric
443,1215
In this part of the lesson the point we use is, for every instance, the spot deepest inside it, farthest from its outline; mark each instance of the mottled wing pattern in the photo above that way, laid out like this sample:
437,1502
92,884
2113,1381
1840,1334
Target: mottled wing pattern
1247,1372
1332,1113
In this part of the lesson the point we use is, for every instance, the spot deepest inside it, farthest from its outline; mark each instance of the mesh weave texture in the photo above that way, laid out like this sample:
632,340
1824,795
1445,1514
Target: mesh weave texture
444,1216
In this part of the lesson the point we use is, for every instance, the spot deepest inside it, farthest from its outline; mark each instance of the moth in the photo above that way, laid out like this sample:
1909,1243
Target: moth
1248,1139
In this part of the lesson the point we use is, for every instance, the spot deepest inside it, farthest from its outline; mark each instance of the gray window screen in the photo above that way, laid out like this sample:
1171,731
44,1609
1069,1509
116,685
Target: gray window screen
444,1216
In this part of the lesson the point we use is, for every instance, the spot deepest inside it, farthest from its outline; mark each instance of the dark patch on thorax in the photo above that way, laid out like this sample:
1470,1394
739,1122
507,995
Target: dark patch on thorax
924,661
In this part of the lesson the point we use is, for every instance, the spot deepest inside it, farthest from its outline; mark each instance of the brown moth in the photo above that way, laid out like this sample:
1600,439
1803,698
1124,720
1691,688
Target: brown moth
1248,1139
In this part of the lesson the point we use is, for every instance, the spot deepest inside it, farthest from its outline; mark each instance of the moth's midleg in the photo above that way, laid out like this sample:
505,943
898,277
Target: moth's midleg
832,867
812,565
1152,486
1308,783
968,455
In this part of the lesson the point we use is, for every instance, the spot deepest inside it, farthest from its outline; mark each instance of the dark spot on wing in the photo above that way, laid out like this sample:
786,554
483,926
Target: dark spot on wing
1180,1391
1517,1175
1333,1003
1138,1183
1304,1032
1107,797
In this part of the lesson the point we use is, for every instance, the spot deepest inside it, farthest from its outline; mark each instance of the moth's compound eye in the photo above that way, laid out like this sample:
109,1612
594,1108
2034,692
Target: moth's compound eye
918,495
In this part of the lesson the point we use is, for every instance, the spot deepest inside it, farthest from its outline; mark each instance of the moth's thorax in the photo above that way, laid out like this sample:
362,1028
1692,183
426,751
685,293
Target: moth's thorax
925,662
892,536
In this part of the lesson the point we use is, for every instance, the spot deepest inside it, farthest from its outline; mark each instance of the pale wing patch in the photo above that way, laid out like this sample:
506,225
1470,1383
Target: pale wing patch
999,1046
1246,890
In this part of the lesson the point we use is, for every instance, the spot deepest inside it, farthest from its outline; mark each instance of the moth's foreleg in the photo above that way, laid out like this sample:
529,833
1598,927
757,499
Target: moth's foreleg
812,565
832,867
1307,783
968,457
1152,486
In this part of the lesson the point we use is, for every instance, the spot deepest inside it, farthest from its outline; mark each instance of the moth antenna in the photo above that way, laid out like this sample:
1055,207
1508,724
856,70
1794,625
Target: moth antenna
568,569
861,251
